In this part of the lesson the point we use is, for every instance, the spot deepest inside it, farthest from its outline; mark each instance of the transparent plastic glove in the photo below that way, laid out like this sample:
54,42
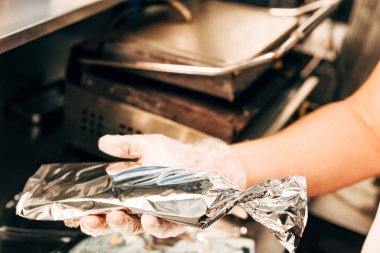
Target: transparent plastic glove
206,155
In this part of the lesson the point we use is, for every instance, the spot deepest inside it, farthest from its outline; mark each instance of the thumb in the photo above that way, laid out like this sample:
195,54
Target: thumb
123,146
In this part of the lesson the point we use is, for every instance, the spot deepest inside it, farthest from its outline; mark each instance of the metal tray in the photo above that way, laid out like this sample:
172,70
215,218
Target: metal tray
223,49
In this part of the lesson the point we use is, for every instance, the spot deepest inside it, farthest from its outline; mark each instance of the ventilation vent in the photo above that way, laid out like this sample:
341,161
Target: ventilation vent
93,124
124,129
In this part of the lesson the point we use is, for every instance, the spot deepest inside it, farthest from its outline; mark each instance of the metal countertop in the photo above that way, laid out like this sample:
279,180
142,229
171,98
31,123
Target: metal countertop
22,21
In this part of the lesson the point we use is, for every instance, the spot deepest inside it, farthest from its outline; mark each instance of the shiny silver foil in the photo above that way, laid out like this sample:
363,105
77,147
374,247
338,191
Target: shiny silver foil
194,198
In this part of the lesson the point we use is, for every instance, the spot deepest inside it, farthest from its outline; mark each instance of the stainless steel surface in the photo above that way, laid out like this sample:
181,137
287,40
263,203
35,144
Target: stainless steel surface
310,67
215,36
186,196
7,232
188,110
325,41
184,69
212,39
199,113
276,116
283,117
286,12
231,56
360,52
89,116
22,21
314,20
182,9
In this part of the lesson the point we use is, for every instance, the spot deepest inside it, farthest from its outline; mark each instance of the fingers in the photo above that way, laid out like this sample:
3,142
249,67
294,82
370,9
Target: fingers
160,228
127,146
74,223
121,222
114,168
116,221
94,225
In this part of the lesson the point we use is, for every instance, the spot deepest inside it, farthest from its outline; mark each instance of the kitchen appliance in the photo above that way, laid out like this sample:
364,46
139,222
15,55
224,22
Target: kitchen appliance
114,102
185,80
220,52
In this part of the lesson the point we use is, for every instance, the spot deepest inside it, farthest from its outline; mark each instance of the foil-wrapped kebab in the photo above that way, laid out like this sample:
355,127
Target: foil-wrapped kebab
185,196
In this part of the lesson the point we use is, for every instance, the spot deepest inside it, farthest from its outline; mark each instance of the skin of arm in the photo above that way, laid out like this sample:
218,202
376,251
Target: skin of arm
333,147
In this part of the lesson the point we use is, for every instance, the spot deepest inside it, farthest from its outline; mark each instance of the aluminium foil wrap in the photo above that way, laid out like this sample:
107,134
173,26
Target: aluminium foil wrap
184,196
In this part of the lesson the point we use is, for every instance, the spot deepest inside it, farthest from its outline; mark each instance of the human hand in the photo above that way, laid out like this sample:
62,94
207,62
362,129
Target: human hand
206,155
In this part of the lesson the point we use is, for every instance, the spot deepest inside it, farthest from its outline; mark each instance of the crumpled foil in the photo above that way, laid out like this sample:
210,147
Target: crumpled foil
185,196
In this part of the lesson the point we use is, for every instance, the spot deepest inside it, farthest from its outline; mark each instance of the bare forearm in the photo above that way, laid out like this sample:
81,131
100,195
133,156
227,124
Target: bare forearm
333,147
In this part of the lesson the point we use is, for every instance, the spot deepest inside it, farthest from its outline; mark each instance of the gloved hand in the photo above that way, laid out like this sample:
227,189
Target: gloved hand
209,155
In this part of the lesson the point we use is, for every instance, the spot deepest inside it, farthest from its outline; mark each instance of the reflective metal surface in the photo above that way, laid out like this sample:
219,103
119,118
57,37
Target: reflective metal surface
213,40
233,54
90,116
302,9
184,196
283,117
22,21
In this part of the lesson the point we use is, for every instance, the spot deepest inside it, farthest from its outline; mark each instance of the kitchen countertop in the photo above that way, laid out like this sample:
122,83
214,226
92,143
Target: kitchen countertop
22,21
